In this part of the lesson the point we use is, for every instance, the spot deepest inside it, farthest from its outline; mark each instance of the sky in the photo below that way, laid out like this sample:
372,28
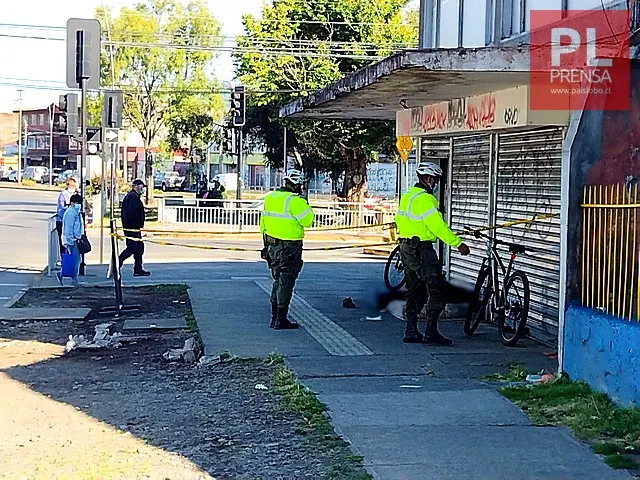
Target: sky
25,63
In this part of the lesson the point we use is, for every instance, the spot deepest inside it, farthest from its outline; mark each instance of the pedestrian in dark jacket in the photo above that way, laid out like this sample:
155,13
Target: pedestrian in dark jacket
132,216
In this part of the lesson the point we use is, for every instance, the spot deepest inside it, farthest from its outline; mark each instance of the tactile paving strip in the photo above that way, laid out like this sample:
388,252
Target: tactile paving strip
333,338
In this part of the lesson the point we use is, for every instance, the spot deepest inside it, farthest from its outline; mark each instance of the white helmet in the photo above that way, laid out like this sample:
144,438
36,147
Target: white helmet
429,168
294,176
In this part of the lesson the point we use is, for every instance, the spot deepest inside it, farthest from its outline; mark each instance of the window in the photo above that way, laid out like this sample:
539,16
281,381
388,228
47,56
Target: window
41,119
31,142
40,143
449,24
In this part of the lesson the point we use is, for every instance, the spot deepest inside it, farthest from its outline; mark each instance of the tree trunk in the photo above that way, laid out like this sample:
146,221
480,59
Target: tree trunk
355,177
148,171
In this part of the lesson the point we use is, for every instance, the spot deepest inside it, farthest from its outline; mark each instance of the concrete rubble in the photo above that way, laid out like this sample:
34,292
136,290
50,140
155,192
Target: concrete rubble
187,353
103,338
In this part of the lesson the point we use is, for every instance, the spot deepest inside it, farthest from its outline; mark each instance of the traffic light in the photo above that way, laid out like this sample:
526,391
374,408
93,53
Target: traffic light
228,140
67,122
238,106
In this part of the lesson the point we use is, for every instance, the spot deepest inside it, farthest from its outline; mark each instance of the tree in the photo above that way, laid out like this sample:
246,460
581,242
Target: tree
297,47
154,77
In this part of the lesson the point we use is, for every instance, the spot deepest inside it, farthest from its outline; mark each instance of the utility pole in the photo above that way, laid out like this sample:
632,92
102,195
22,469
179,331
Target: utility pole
51,114
19,177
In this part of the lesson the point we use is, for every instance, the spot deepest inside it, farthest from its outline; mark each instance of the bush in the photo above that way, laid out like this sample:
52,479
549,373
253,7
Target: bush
28,183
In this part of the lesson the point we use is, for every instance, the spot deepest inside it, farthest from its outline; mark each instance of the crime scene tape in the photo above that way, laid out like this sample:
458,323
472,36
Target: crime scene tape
534,219
384,226
239,249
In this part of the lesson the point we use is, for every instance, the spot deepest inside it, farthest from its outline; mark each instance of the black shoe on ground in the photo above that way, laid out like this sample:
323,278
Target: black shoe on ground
282,322
437,339
141,273
412,334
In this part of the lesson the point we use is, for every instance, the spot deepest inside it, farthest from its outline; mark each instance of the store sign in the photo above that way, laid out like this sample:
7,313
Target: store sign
503,109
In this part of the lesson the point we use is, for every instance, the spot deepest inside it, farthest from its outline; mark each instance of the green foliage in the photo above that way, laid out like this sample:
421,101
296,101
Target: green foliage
157,80
288,58
315,424
611,430
516,373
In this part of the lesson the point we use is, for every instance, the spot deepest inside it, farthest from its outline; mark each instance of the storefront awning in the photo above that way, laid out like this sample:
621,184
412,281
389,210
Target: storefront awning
415,78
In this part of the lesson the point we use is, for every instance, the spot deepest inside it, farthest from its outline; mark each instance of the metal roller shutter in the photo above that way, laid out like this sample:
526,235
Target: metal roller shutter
528,184
469,202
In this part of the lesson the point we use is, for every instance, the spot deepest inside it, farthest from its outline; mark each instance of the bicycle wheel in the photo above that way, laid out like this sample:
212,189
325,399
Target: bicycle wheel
513,318
394,271
478,307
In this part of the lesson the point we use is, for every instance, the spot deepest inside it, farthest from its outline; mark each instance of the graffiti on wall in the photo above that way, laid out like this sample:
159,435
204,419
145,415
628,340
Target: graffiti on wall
461,113
502,109
527,179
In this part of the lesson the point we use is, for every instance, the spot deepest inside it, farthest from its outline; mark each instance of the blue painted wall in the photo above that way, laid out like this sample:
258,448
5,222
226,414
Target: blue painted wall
599,348
605,352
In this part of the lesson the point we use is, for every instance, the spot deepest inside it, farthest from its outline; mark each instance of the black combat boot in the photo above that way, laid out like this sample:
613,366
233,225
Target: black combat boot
282,322
411,333
432,335
274,315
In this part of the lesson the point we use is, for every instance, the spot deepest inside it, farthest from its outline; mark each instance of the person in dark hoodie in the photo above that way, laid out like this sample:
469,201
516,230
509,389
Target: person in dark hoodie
132,216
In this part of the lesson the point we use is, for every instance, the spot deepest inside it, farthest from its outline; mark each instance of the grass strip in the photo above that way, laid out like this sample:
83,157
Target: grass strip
316,426
611,431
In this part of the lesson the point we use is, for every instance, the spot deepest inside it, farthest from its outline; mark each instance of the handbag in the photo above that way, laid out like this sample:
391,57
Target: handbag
67,265
84,246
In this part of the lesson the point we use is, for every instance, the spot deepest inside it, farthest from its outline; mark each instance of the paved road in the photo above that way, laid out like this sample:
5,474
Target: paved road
23,242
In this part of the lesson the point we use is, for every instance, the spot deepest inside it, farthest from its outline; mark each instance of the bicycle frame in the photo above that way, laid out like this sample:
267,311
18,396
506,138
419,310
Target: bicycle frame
493,259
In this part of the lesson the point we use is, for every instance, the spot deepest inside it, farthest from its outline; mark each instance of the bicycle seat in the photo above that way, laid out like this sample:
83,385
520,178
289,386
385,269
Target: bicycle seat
513,248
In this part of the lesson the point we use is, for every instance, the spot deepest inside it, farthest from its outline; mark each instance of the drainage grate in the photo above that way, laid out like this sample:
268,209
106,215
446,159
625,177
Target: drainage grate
333,338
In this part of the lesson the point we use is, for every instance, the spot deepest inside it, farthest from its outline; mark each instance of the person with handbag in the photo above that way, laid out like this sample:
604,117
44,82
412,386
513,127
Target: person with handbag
72,233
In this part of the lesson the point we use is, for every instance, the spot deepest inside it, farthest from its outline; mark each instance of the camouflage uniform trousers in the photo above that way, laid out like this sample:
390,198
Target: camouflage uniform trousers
425,282
285,259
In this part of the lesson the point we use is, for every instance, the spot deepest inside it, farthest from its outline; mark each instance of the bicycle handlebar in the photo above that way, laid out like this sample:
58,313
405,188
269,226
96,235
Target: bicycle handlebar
515,248
479,234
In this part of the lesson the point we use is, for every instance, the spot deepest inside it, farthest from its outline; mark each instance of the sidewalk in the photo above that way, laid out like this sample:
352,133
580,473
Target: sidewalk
412,411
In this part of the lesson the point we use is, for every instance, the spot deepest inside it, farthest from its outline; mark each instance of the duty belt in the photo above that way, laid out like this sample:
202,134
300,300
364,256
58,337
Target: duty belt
416,241
272,240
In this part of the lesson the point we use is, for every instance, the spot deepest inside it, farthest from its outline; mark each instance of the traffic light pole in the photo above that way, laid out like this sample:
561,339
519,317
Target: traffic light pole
82,80
239,166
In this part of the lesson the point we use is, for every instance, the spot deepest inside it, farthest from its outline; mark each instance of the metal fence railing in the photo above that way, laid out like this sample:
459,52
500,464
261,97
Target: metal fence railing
53,245
244,215
610,241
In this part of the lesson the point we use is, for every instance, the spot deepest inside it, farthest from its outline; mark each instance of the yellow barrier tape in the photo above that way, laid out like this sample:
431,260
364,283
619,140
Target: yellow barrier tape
239,249
384,226
535,218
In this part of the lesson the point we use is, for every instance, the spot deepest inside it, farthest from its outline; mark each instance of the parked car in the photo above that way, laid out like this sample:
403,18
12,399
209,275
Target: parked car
13,176
62,178
169,181
4,173
55,174
35,173
229,181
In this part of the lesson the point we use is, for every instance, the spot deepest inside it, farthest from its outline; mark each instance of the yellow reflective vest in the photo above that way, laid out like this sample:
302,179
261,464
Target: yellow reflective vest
285,215
418,216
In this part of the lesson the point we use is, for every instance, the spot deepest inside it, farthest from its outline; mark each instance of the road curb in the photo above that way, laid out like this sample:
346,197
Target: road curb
11,186
21,293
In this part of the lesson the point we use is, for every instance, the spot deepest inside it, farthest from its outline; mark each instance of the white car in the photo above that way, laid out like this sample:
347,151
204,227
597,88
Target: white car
13,176
35,173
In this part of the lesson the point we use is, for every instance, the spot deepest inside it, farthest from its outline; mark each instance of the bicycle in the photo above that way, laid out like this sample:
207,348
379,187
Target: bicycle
394,271
493,302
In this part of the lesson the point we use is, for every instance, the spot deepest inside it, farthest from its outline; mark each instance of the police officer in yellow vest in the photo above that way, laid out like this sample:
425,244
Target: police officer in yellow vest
285,215
420,224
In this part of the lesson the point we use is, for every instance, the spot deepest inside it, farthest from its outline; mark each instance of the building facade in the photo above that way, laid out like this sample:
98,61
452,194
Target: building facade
464,98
